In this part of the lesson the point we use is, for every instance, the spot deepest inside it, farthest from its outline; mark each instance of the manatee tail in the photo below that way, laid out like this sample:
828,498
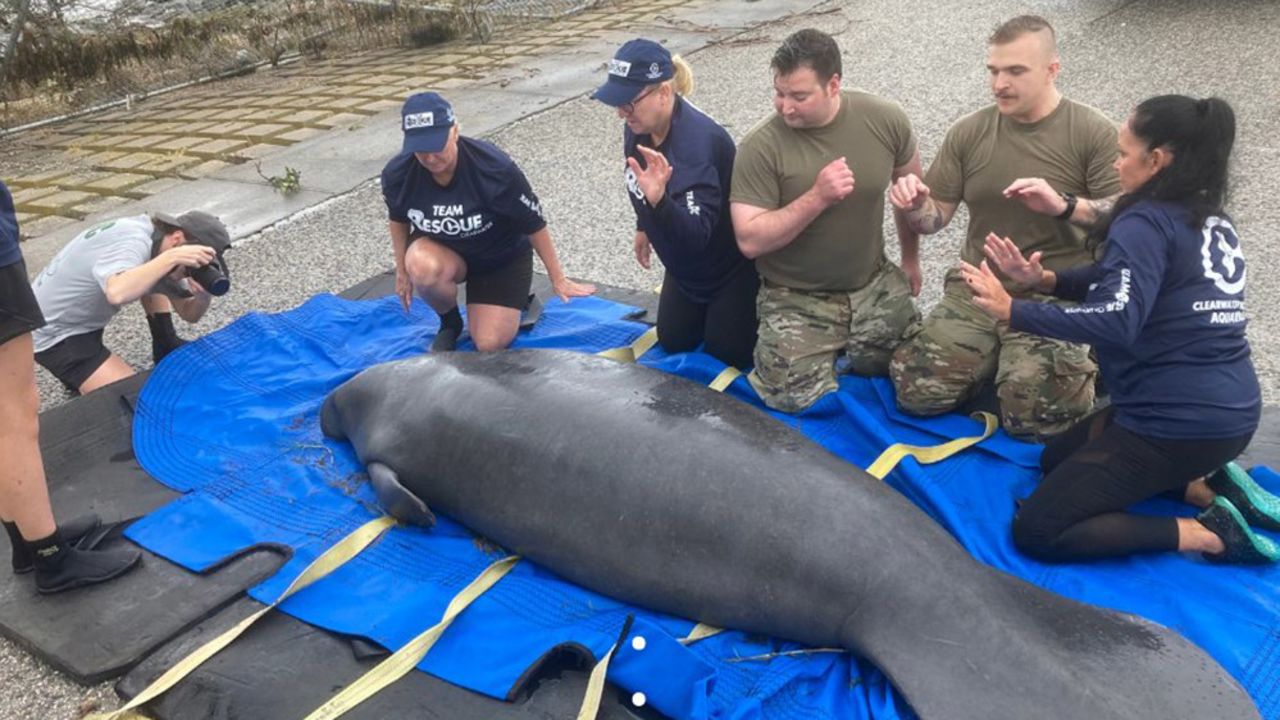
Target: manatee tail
396,499
1009,650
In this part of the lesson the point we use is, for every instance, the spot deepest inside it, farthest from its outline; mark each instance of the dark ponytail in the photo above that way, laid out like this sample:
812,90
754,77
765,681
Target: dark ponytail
1199,134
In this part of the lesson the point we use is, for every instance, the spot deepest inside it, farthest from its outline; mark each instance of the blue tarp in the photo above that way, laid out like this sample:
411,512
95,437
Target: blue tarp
232,421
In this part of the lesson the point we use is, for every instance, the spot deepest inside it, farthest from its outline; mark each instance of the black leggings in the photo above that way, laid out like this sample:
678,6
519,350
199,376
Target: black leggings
727,323
1095,470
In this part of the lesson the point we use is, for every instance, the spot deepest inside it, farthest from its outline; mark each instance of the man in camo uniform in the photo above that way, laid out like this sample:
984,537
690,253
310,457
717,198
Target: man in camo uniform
1026,168
826,285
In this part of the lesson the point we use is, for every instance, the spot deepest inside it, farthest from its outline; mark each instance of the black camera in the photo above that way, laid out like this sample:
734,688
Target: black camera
212,277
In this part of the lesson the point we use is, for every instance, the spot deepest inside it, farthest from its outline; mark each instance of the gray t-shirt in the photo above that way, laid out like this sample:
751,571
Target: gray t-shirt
72,288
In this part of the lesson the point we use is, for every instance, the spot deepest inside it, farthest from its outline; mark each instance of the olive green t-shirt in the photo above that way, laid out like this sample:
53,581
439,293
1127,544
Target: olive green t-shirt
1073,148
844,246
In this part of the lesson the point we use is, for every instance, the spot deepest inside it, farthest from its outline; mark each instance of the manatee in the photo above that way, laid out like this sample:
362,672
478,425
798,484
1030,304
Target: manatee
659,492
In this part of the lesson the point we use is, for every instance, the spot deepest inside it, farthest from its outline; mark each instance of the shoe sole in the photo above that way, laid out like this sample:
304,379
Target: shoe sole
1265,507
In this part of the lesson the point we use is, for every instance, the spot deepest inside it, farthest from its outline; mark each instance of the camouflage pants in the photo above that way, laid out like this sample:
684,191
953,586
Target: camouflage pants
802,331
1044,385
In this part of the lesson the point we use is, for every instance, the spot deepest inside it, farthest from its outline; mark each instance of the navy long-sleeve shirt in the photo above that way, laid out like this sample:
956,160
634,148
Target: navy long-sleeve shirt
1164,310
690,227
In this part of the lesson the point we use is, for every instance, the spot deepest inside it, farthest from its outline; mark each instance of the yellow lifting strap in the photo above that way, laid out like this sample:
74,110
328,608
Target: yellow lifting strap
332,559
701,631
631,353
894,454
402,661
595,683
725,379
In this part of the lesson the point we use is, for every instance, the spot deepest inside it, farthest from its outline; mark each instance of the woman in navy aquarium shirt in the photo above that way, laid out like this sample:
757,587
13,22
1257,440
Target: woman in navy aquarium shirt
1164,310
678,166
460,210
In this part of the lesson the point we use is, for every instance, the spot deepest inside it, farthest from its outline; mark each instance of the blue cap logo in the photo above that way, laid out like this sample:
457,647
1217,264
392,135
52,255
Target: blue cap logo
620,68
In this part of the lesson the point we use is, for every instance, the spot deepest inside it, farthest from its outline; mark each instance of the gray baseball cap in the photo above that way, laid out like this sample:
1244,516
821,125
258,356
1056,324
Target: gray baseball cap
201,228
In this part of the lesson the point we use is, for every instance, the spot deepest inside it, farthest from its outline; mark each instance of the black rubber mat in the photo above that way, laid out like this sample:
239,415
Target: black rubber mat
97,633
282,668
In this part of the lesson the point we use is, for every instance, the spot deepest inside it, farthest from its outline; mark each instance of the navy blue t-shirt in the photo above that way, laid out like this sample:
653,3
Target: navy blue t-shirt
10,253
1164,309
485,213
690,228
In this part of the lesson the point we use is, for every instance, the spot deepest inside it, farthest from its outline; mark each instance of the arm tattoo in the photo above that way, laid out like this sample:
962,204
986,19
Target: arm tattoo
927,219
1093,211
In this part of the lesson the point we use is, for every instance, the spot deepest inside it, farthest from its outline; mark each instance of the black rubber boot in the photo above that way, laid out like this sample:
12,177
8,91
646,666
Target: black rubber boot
61,566
450,330
1259,507
164,338
1244,547
73,531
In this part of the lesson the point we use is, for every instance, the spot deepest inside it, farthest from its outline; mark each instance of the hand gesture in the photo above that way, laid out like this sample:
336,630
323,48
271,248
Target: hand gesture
908,192
1037,196
190,256
834,182
988,293
644,251
404,288
1025,273
652,180
565,288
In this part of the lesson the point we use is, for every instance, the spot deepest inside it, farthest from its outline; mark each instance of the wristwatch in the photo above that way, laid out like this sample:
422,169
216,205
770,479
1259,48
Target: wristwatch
1071,206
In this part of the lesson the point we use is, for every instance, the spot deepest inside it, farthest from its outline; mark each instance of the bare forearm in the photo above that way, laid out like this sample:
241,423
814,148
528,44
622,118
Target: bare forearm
127,286
399,242
541,242
908,238
1089,212
771,230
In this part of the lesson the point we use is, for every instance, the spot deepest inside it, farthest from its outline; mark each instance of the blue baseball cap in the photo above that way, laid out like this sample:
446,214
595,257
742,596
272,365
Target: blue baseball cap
426,119
637,64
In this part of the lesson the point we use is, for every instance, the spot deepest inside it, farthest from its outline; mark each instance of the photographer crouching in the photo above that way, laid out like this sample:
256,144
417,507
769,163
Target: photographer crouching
171,264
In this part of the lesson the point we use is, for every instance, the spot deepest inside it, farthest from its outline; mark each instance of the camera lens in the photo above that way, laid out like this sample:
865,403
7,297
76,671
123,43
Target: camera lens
211,278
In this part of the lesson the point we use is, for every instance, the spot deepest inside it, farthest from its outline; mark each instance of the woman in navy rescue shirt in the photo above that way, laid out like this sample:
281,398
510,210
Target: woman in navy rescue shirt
460,210
1164,310
678,166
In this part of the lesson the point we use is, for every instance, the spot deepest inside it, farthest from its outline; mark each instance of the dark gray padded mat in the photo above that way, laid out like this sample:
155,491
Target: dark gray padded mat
97,633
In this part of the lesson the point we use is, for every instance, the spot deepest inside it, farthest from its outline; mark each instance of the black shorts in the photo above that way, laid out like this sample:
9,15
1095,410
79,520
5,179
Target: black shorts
506,285
19,311
74,359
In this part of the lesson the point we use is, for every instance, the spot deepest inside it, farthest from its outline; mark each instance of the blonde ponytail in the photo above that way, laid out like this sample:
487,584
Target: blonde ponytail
682,81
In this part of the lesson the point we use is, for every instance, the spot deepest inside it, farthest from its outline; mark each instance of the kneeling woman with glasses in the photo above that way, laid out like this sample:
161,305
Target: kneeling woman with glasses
678,165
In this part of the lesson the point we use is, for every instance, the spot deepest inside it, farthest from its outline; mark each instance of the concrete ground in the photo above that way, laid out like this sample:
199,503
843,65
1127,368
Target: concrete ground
927,56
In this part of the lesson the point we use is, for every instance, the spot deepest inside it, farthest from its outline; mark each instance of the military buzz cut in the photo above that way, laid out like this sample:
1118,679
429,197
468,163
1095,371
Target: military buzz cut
1012,29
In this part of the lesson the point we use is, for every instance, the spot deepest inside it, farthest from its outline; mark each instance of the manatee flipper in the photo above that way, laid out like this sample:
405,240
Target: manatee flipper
396,500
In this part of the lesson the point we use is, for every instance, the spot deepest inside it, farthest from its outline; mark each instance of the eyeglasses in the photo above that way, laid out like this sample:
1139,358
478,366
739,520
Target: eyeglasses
629,107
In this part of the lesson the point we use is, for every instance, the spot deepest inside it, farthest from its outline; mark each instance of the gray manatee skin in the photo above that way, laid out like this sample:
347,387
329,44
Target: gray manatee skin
662,493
